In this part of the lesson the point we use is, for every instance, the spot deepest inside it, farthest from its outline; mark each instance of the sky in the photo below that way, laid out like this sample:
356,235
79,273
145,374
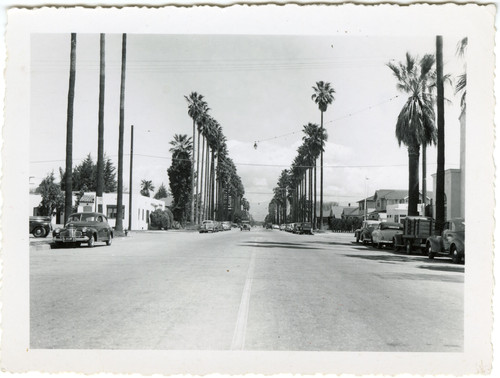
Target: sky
258,88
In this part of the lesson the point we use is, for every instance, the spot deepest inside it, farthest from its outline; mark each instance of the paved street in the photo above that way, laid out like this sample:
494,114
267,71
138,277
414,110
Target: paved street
257,290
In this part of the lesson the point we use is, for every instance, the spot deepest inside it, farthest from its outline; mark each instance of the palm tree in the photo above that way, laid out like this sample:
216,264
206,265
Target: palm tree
196,106
415,124
314,138
68,203
203,120
461,86
323,96
181,147
147,187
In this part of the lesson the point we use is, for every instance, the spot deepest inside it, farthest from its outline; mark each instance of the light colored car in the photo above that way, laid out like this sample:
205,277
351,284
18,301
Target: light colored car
84,228
208,226
226,226
245,226
450,243
364,234
384,234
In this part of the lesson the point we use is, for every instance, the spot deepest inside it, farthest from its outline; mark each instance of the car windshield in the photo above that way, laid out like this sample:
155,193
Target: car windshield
82,217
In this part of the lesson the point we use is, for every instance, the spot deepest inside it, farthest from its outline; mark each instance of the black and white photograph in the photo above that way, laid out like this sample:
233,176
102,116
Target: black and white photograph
267,189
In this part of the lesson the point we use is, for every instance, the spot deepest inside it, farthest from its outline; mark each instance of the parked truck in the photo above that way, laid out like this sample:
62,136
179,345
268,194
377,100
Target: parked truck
416,231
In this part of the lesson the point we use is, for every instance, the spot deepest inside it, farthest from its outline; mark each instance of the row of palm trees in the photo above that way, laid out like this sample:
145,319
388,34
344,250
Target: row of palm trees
415,128
216,186
298,185
416,122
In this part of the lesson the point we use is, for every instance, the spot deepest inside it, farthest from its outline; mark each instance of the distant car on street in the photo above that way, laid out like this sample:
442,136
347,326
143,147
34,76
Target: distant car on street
305,228
208,226
245,226
364,234
40,226
385,232
450,243
84,228
226,226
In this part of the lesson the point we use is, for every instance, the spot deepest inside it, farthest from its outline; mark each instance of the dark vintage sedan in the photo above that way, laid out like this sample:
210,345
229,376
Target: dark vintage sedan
40,226
84,228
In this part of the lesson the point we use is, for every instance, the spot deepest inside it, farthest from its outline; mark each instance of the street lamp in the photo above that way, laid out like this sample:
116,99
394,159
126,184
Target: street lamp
366,194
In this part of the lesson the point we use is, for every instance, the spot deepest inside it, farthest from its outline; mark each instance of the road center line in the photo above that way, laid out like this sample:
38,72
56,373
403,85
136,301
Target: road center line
241,322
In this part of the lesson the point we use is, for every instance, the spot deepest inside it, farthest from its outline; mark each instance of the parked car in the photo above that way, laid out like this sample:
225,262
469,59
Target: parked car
289,227
84,228
40,226
208,226
245,226
305,228
282,227
364,234
450,243
226,226
296,228
384,234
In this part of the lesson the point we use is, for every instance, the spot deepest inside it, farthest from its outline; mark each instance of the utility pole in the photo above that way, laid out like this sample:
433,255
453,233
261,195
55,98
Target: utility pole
130,179
68,201
440,195
100,142
119,203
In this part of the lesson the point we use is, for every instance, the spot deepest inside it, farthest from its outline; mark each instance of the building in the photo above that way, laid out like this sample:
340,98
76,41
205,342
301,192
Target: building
142,207
390,204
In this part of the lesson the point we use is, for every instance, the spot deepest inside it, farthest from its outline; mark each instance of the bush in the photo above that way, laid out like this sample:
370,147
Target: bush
162,219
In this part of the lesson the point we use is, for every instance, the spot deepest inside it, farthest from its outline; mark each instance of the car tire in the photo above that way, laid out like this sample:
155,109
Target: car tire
110,240
395,247
39,232
91,242
455,257
430,253
357,239
408,247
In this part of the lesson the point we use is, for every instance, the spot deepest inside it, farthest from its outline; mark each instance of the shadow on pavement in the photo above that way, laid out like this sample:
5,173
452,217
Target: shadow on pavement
275,245
446,268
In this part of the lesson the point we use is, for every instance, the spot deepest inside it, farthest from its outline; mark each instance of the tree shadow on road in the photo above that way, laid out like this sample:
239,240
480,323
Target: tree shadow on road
265,244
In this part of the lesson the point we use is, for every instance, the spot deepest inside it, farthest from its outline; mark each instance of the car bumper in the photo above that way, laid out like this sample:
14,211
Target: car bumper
69,239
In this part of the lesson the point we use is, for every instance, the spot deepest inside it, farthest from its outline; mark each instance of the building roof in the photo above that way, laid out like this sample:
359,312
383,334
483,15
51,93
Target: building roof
87,198
372,198
391,194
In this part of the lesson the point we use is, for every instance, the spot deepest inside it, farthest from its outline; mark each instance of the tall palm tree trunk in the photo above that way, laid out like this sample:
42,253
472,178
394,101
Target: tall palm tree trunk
200,212
119,202
207,181
197,200
424,177
310,195
191,219
68,201
413,184
440,195
100,141
321,180
315,195
212,188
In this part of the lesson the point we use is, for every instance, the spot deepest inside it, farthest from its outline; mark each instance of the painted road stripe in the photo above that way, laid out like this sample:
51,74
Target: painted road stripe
241,323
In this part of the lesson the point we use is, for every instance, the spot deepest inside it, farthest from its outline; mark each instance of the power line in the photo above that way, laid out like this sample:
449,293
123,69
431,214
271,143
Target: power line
333,120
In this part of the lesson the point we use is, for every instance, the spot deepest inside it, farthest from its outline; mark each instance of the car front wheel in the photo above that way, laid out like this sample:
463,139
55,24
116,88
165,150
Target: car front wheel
430,253
455,257
91,242
110,240
39,232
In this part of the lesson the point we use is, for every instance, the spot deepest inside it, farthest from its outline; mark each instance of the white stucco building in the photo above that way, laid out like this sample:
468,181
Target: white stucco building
142,207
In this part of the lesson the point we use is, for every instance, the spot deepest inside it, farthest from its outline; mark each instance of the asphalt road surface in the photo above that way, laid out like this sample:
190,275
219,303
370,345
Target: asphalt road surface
235,290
